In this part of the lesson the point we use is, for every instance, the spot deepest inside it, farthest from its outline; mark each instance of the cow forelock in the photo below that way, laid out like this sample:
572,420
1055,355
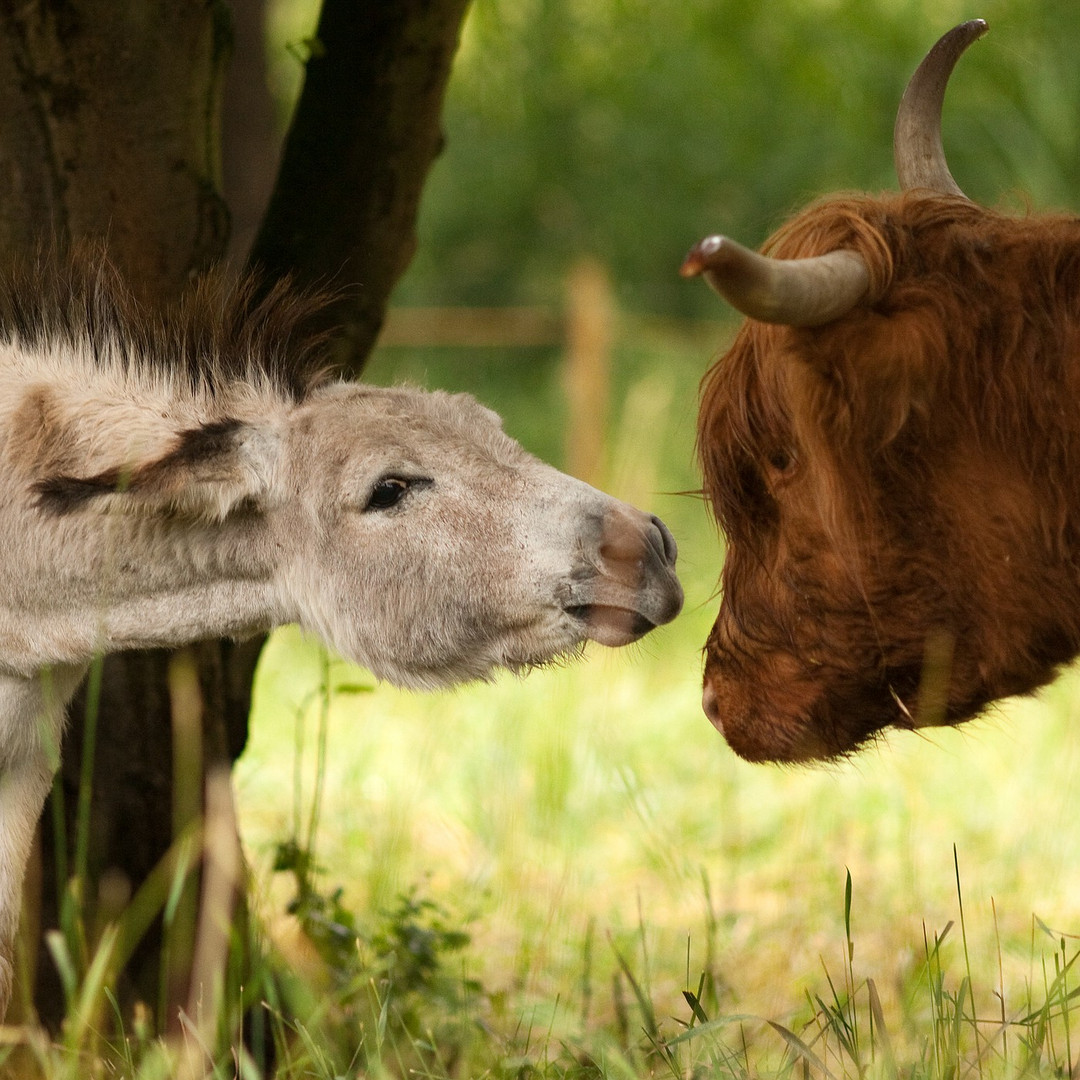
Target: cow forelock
904,476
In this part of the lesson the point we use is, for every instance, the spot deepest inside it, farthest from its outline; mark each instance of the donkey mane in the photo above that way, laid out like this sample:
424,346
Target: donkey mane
225,329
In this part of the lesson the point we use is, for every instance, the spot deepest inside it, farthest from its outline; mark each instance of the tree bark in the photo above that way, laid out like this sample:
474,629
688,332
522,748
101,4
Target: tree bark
112,132
250,136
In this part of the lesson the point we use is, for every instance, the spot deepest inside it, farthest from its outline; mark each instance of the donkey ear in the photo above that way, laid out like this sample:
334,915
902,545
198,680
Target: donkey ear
209,472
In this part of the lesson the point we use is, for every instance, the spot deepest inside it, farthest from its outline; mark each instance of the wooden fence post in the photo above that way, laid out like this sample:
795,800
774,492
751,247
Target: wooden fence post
590,334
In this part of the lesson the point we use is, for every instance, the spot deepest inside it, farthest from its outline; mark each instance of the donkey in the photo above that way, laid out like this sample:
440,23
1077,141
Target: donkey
167,476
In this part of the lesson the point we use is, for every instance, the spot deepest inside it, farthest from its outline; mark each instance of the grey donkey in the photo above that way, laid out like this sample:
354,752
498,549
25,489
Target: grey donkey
165,476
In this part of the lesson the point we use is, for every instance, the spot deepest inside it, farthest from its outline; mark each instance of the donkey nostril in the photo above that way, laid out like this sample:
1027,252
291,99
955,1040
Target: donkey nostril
638,542
668,548
622,546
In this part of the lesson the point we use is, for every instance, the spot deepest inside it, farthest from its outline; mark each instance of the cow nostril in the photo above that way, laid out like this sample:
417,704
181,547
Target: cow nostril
711,707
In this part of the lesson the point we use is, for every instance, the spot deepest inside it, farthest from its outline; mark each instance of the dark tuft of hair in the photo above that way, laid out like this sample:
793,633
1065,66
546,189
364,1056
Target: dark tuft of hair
60,495
223,328
202,443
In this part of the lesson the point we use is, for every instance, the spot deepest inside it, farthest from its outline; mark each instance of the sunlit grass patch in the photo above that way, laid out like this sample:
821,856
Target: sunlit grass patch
588,822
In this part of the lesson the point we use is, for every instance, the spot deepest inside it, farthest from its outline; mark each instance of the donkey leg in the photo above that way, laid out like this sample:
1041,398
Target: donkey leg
24,784
31,725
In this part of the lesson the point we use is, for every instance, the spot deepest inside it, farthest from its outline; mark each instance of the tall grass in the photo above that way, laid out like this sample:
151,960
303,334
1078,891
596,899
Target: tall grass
632,888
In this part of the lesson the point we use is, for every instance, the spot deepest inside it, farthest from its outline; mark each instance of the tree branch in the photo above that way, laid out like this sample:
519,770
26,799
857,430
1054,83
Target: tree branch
365,133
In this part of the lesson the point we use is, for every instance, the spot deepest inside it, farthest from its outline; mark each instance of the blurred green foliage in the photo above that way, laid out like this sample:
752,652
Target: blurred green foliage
627,129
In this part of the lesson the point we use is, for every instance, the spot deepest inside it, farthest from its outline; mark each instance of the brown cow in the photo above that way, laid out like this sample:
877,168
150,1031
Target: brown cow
892,448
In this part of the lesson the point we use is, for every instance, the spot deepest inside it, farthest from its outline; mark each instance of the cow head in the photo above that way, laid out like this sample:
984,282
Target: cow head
890,449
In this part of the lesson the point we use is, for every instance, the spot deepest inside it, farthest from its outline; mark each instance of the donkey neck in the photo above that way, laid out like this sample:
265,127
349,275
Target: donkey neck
94,582
79,583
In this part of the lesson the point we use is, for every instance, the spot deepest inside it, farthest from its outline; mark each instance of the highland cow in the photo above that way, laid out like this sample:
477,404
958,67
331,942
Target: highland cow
892,449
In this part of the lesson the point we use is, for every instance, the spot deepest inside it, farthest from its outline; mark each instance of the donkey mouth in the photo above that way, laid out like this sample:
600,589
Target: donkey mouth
611,625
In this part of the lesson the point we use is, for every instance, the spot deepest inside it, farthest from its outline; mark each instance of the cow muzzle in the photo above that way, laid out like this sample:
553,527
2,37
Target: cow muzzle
768,710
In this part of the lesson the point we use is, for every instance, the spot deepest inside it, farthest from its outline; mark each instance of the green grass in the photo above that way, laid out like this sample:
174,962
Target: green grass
588,826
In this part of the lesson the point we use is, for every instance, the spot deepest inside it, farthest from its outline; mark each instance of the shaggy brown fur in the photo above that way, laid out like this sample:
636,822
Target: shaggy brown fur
900,489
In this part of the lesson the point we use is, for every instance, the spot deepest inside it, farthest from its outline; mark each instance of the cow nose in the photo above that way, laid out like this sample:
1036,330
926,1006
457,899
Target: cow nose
711,707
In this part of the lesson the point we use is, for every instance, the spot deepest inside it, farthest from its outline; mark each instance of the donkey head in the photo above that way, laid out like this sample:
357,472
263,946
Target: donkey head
438,549
403,527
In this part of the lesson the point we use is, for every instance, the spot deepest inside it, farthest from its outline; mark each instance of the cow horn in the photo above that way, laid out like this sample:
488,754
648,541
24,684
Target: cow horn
795,292
917,151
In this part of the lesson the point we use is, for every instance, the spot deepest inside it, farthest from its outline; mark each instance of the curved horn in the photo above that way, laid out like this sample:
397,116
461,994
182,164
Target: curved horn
917,151
795,292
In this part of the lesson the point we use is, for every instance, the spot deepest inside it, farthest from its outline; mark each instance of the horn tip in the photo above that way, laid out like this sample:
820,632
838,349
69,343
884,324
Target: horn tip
698,258
960,37
917,152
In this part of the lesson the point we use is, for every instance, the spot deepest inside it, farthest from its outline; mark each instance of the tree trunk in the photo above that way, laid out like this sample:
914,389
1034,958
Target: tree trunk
111,131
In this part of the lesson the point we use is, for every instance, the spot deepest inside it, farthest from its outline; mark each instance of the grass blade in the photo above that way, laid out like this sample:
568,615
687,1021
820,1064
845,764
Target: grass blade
882,1031
801,1050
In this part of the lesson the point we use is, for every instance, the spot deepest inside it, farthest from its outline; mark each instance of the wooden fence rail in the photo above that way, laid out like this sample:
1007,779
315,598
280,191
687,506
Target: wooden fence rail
469,327
585,330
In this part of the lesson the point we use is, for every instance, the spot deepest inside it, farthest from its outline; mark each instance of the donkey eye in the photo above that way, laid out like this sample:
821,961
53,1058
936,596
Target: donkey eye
387,492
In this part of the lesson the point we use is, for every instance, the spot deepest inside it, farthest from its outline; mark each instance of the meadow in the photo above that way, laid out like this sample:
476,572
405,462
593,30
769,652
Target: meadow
570,874
588,882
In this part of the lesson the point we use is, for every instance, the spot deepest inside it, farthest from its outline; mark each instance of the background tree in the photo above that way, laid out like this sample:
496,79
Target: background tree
626,129
112,131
